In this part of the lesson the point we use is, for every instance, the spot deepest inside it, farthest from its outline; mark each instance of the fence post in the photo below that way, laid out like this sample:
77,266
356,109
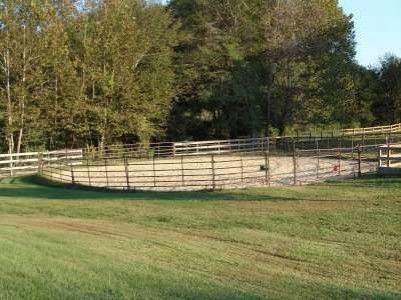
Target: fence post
268,162
267,168
182,171
126,172
318,160
40,163
359,161
72,174
294,159
241,168
59,171
66,155
89,172
213,173
339,157
154,171
352,147
11,163
379,154
363,140
388,152
107,173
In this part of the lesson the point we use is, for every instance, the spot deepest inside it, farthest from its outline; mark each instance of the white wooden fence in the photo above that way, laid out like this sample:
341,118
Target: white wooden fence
31,162
220,146
390,156
363,136
373,130
303,140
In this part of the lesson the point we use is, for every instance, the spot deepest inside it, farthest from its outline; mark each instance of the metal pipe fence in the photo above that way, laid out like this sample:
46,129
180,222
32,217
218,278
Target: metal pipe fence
218,171
212,165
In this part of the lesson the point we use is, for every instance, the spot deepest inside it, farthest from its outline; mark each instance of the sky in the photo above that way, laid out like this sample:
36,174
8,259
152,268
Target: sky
377,28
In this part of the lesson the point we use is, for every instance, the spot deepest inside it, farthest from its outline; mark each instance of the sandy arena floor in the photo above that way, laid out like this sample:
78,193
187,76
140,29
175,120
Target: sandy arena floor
196,173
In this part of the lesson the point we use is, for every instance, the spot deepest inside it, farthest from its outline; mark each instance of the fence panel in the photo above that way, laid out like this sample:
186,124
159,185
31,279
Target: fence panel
32,162
220,171
212,164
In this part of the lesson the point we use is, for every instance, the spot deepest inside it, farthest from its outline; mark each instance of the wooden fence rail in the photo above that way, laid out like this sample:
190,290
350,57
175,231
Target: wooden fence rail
372,130
283,144
390,156
302,140
31,162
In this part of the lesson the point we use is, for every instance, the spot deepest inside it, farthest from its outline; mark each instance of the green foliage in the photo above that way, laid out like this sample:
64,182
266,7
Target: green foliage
86,75
91,73
223,71
252,66
388,105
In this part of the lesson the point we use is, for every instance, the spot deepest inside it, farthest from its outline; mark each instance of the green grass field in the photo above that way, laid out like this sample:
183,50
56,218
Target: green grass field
336,240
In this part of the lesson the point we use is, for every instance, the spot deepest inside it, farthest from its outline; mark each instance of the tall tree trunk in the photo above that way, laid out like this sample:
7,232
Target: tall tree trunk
23,98
268,110
10,119
7,66
9,106
288,103
10,134
269,98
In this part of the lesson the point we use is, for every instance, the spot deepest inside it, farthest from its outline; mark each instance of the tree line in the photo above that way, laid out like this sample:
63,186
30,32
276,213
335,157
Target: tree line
97,72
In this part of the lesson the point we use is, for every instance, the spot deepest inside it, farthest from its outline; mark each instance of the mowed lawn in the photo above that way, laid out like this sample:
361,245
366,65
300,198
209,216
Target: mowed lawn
335,240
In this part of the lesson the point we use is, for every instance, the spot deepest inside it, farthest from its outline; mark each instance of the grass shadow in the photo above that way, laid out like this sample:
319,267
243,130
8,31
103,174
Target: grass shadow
34,187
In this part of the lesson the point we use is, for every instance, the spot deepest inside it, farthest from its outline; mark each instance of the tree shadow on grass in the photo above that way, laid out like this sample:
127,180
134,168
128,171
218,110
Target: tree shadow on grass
33,187
367,181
